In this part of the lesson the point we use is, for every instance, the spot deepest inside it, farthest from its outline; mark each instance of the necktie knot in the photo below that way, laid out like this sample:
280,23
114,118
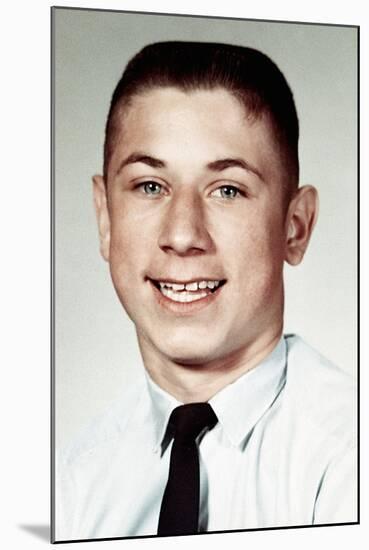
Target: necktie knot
188,421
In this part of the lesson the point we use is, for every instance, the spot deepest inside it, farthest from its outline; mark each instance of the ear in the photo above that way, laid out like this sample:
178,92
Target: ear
301,218
102,215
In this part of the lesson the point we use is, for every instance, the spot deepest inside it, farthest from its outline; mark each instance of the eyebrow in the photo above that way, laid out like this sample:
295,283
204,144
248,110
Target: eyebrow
141,157
223,164
215,166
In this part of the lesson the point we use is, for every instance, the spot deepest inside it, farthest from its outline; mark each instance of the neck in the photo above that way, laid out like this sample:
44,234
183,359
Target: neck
200,382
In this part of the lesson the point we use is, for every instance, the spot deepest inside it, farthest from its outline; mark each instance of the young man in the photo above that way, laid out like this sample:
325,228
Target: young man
198,209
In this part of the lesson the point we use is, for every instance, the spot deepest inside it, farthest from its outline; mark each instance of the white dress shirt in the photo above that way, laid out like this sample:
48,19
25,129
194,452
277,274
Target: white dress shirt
281,454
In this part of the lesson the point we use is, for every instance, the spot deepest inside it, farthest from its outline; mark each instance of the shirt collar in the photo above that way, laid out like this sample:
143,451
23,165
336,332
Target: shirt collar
238,406
241,404
162,404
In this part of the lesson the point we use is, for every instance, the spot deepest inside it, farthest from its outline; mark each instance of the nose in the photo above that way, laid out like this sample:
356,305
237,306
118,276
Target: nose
183,231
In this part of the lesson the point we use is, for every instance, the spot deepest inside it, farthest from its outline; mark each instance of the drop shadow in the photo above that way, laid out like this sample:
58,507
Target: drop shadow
40,531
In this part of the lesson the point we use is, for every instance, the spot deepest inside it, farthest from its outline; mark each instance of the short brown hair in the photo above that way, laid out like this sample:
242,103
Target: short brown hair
246,73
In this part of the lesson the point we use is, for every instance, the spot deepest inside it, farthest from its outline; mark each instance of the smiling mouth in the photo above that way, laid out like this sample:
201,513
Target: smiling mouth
188,291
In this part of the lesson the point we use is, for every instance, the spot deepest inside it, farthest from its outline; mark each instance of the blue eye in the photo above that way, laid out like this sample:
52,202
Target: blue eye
151,188
227,192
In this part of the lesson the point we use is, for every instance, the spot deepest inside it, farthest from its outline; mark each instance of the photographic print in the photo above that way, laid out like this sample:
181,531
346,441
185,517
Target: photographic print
205,194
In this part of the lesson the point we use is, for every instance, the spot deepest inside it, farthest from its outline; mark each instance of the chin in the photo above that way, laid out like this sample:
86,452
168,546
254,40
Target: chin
190,352
189,359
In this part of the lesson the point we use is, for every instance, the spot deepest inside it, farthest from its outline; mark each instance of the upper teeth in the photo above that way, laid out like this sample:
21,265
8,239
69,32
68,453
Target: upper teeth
193,286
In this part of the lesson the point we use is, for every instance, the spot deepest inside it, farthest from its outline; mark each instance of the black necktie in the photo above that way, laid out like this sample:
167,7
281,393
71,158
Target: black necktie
179,513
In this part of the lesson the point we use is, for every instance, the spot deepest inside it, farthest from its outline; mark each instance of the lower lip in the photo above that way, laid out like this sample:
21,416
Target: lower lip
185,308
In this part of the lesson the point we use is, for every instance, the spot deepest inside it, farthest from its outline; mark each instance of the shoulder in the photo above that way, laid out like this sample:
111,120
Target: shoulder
319,391
105,428
305,361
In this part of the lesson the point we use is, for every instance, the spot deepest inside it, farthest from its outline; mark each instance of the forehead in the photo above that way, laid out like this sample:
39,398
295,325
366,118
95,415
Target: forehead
201,125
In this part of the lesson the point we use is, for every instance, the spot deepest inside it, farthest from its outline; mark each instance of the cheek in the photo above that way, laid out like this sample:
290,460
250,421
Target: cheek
130,237
252,238
124,261
254,255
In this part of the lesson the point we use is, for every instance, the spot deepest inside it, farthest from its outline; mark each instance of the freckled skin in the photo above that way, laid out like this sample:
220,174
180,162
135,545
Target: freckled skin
190,230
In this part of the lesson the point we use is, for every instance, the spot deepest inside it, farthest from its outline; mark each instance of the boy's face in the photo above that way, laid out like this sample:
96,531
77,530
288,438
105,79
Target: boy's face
195,197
